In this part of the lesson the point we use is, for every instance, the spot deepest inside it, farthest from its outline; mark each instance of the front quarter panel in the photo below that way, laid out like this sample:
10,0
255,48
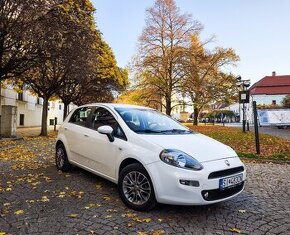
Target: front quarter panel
61,137
140,150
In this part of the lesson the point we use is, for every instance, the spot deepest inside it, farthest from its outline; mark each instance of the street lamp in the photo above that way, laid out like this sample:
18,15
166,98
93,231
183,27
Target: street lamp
243,96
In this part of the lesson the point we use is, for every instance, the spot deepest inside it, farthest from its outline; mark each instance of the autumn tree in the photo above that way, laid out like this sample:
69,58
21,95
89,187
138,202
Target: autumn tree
62,34
286,101
206,78
84,41
17,19
138,96
160,53
16,27
107,79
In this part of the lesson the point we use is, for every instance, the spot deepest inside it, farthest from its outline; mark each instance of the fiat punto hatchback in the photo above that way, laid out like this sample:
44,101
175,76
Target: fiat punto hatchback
151,157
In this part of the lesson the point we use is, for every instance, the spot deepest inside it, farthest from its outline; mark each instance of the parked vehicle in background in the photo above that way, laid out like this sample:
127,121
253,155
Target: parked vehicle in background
151,157
274,117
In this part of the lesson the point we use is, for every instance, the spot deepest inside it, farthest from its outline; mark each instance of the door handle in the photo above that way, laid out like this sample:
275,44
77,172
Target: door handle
65,128
86,135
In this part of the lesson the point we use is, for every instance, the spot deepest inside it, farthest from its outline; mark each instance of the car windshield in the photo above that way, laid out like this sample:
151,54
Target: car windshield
149,121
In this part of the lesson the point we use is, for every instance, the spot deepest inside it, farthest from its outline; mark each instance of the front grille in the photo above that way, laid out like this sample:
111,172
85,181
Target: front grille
216,194
223,173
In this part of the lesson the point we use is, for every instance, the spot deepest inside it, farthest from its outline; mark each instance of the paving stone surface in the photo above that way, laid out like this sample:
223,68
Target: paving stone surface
35,198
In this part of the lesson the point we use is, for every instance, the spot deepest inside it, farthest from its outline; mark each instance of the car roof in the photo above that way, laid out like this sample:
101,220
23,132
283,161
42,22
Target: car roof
116,105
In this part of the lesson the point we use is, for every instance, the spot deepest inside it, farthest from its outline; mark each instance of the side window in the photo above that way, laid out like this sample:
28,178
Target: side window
79,117
102,117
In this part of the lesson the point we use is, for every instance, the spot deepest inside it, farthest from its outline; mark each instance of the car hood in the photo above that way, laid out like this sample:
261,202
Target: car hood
199,146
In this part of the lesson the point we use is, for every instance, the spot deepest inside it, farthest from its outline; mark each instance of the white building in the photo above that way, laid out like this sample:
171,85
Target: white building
29,107
271,90
267,92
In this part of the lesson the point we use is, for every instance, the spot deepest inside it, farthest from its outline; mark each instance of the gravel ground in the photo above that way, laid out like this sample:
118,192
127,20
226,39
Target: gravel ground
35,198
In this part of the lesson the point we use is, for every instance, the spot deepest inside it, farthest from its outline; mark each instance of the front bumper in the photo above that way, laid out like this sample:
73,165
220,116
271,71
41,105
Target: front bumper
169,190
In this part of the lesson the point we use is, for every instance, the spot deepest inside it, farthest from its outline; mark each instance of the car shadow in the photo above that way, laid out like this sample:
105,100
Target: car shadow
166,210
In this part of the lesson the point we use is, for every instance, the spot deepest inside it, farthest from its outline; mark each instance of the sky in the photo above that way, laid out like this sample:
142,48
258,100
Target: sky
259,31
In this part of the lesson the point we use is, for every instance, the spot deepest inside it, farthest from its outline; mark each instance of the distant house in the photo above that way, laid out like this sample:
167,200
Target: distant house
29,107
271,90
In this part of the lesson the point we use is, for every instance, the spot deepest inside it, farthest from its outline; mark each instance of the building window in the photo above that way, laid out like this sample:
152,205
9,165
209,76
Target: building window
20,96
274,102
38,100
59,107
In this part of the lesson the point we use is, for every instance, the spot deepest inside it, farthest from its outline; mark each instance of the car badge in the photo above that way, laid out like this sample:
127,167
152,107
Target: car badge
227,163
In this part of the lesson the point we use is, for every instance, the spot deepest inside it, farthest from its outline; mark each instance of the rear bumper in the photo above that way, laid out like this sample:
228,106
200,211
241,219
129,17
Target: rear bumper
168,189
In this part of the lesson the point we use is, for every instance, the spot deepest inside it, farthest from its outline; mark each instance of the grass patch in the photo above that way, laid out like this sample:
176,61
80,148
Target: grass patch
272,148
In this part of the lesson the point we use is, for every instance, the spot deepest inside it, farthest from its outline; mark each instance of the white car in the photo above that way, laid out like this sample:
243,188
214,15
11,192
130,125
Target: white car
149,155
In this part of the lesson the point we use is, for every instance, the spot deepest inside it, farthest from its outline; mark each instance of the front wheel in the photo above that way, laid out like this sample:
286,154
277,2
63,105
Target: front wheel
136,189
61,160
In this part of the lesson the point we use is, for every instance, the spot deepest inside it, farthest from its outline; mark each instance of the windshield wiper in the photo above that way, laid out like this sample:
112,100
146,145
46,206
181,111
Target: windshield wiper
176,131
147,131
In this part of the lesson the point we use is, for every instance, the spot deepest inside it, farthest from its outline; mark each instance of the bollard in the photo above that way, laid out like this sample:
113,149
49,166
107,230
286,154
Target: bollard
256,127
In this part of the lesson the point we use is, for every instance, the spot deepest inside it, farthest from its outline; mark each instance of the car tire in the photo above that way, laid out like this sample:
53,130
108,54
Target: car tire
61,160
136,188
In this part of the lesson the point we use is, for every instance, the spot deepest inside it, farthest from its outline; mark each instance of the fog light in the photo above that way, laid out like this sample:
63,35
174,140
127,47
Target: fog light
206,195
193,183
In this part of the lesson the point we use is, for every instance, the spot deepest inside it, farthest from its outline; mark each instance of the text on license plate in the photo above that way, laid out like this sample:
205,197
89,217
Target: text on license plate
230,181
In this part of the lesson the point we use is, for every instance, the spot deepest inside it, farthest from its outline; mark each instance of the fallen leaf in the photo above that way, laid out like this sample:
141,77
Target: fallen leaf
158,232
19,212
99,186
235,230
44,199
130,224
35,183
147,220
242,211
73,215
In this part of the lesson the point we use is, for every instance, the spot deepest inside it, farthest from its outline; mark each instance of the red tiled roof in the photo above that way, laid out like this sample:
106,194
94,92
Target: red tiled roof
272,85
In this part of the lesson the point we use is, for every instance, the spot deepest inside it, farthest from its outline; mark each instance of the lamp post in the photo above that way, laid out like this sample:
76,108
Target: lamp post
243,97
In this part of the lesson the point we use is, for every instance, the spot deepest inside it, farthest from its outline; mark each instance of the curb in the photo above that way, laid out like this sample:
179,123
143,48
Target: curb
273,161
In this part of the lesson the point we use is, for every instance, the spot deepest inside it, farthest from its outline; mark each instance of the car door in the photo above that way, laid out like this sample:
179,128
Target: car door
101,153
76,132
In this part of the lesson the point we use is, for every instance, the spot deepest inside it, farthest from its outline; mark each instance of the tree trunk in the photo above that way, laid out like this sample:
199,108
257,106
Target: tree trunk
195,117
65,110
0,107
168,105
44,117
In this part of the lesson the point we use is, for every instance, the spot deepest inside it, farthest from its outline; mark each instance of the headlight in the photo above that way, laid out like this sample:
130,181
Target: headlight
180,159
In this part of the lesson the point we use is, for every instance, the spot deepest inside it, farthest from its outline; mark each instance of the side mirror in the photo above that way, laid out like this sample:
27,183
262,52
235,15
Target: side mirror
107,130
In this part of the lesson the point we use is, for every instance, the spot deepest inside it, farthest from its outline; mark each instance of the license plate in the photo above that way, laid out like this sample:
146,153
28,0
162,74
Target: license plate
230,181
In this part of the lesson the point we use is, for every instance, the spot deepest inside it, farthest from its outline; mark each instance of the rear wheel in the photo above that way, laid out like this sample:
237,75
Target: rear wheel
61,160
136,188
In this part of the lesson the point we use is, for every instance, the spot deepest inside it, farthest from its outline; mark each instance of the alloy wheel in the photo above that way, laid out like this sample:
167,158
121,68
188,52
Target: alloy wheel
136,188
